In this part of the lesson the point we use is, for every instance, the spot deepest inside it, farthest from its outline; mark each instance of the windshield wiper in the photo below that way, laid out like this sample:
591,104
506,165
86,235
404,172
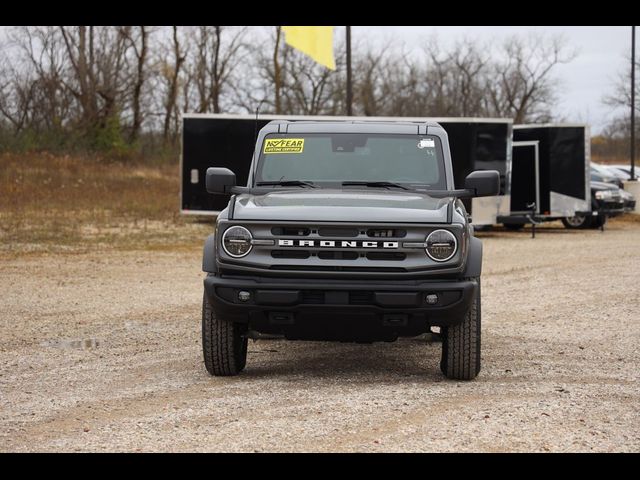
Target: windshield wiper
375,184
287,183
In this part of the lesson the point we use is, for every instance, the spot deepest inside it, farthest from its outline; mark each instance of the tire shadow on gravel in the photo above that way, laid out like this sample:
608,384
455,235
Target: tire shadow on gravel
356,363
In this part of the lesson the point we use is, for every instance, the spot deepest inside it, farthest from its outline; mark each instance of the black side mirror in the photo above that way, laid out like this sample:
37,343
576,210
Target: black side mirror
220,181
485,183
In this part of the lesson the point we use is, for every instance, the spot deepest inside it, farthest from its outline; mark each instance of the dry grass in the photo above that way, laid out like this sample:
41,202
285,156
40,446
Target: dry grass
626,219
50,203
68,204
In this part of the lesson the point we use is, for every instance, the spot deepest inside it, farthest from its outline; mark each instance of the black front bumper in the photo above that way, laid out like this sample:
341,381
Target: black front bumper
610,208
629,206
295,306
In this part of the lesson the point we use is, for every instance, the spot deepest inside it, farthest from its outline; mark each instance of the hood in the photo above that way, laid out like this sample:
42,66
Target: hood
328,205
603,186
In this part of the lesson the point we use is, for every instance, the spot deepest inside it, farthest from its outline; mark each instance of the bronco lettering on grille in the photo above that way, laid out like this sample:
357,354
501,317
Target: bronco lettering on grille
336,244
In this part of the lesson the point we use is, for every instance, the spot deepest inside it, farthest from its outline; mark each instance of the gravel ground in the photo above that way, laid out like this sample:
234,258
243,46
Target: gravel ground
101,352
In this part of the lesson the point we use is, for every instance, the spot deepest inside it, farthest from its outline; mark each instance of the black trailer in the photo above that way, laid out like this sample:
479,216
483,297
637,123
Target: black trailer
223,140
550,173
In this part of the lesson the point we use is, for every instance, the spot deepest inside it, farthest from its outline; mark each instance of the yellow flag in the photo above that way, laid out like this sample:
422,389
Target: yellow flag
317,42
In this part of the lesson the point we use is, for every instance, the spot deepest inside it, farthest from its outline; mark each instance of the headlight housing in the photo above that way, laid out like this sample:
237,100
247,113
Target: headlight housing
604,194
236,241
441,245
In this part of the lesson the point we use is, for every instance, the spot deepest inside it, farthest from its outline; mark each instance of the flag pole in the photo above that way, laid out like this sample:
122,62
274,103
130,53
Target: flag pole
349,78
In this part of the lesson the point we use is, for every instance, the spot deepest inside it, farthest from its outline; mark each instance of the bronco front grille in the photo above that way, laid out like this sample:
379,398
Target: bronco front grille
325,247
335,268
339,255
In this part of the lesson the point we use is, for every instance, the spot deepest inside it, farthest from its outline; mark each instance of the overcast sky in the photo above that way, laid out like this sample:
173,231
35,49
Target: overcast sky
584,81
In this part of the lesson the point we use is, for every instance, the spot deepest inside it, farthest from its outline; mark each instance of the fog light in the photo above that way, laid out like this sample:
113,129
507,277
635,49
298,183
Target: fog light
432,299
244,296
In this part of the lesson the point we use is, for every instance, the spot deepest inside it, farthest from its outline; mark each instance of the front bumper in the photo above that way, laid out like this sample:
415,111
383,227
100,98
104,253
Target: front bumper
629,206
611,208
293,303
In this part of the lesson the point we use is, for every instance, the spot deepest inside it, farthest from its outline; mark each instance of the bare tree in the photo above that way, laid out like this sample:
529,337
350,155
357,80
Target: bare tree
619,99
521,85
31,92
264,79
106,81
170,66
470,64
214,63
139,43
380,81
97,78
620,96
307,88
454,80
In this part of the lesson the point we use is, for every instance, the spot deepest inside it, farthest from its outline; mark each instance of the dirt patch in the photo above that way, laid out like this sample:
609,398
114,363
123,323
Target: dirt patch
100,351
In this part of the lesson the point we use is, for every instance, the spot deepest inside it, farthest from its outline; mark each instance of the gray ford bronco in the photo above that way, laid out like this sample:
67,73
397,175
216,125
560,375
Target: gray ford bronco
346,231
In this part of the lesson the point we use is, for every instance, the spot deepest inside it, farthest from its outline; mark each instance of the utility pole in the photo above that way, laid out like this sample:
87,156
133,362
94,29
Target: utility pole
349,78
633,103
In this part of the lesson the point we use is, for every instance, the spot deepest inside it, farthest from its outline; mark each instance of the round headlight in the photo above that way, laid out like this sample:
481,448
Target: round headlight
441,245
236,241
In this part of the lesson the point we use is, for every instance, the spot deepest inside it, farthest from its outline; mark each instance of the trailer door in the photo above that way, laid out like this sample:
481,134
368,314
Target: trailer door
525,177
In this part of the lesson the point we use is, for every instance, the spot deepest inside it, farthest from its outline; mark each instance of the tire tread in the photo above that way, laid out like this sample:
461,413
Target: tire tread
223,344
461,344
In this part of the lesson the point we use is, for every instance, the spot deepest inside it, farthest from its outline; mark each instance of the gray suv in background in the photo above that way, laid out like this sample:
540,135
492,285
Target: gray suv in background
346,231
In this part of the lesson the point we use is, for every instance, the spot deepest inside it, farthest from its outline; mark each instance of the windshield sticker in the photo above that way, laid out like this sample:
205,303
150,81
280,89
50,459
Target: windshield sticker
427,143
284,145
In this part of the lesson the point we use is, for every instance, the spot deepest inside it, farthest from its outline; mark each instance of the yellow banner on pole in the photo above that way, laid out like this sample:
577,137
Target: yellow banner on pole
317,42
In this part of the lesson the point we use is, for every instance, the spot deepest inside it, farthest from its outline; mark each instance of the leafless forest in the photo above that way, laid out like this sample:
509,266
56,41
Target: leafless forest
121,89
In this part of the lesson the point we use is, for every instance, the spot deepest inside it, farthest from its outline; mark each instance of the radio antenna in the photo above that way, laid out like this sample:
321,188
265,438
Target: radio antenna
255,138
255,131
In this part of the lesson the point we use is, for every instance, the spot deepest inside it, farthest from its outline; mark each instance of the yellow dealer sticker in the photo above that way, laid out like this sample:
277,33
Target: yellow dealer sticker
284,145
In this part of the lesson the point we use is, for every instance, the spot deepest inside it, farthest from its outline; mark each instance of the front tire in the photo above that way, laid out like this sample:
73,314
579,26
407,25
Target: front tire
461,344
224,343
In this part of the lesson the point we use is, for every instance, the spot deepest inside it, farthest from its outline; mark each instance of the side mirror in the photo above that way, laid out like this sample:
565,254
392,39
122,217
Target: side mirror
220,181
485,183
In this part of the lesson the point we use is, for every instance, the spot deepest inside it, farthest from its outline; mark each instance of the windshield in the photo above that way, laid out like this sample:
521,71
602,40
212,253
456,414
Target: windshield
336,158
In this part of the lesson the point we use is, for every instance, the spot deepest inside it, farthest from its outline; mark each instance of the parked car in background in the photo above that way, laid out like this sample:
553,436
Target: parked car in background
616,172
629,201
606,201
602,174
622,173
626,170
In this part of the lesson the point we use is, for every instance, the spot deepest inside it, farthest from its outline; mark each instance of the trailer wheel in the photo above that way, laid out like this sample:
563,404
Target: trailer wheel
513,226
577,222
461,344
224,344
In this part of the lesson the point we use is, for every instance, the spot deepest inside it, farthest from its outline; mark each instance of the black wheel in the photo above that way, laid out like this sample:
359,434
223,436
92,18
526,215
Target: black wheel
224,343
461,344
514,226
577,222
